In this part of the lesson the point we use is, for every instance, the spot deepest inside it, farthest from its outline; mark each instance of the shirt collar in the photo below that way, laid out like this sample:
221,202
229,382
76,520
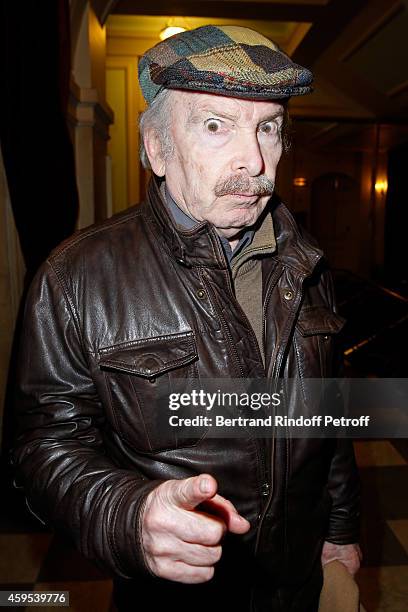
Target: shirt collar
187,222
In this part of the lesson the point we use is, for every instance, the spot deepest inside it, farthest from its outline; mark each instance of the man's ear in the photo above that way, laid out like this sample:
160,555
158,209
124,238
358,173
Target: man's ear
154,152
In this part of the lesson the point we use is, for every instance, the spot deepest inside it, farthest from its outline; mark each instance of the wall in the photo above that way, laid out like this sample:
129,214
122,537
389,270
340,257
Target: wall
123,93
89,117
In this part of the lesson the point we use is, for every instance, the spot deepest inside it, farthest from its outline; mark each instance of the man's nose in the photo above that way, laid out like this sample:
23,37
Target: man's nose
248,155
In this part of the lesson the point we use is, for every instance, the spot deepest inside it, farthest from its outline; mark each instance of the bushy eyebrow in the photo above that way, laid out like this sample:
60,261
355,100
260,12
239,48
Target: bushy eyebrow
196,115
222,114
276,115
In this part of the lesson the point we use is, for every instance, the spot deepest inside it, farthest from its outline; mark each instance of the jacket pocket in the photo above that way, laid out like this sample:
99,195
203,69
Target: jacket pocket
140,376
316,333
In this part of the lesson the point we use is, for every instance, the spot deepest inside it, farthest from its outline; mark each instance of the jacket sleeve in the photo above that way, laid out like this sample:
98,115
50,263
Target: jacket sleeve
59,453
344,488
344,481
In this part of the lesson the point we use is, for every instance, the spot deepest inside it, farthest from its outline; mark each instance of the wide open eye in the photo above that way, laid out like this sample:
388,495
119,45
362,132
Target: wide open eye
270,127
213,125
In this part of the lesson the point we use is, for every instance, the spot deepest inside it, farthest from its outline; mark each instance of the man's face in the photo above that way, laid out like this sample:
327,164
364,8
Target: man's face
224,160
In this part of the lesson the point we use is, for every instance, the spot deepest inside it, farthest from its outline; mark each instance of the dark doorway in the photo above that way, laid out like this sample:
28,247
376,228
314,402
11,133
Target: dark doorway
396,220
334,223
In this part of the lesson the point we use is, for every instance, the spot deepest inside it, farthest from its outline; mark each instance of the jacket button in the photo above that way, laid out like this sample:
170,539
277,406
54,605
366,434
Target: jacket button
265,489
288,295
150,365
201,294
325,338
183,262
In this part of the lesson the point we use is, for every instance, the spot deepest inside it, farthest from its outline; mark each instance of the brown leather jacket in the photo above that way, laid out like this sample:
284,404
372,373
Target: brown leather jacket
123,304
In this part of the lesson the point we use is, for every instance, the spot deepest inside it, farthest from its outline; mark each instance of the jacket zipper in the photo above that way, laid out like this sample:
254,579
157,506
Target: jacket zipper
260,455
267,488
276,370
225,326
273,279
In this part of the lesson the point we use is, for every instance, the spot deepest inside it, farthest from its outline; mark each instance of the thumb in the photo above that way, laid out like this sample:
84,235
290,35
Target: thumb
191,492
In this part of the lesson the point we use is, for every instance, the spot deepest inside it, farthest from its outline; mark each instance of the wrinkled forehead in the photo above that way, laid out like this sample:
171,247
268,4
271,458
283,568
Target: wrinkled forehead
194,104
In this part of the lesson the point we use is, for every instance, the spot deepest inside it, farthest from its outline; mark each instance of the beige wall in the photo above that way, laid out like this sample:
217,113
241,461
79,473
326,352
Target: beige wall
116,80
97,48
125,98
89,118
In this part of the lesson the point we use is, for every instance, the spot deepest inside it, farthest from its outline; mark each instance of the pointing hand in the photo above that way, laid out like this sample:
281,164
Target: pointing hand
181,541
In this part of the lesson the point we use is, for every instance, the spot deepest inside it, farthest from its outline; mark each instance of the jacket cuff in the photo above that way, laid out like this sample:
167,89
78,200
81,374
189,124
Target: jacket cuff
346,531
126,535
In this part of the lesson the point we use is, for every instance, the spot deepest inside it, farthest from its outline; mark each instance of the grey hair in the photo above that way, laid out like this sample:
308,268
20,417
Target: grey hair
287,130
157,117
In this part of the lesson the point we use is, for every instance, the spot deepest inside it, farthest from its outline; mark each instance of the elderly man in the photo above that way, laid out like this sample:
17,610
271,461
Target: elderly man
208,278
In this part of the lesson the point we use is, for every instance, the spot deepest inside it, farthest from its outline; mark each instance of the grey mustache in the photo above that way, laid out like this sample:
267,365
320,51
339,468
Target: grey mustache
259,185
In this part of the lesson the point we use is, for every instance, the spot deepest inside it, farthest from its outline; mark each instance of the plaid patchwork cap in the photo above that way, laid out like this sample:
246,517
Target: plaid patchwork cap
227,60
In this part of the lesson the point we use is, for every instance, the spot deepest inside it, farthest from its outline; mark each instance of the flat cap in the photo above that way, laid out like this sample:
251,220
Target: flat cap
227,60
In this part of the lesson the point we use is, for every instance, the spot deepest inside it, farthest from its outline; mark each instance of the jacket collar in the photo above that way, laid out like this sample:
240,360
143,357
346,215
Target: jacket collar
184,221
197,246
200,247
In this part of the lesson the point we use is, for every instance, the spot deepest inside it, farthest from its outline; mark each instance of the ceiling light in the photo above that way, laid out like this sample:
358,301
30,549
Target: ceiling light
170,31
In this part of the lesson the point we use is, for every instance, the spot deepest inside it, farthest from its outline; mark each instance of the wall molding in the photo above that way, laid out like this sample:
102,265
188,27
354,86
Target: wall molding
86,110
